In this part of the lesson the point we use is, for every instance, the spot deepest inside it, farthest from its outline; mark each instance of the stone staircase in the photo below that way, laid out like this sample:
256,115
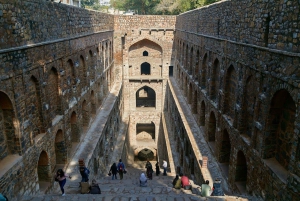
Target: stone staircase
128,189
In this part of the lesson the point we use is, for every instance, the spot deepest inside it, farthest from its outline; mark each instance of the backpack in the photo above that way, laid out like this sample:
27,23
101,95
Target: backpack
121,167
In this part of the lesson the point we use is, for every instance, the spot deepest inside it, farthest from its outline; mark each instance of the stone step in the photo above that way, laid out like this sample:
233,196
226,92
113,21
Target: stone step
128,197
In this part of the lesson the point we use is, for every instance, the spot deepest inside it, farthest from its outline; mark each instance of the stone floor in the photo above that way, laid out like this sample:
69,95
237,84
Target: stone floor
128,189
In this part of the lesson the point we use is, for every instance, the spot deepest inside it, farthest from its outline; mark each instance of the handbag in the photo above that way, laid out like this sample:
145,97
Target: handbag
109,174
125,171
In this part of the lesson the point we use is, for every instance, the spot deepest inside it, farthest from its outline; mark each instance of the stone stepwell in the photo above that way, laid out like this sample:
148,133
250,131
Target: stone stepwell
128,189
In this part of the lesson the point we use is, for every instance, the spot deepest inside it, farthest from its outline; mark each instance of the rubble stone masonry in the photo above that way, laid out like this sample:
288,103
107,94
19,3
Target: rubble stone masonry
236,62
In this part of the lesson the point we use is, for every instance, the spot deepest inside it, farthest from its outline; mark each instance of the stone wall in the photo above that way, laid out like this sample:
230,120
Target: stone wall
239,68
30,22
56,69
262,23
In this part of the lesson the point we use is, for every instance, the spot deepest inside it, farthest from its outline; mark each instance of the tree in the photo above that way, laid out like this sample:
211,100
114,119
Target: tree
87,3
165,7
143,7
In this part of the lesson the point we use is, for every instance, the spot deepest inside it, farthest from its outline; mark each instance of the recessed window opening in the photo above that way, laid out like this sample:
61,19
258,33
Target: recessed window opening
145,68
145,53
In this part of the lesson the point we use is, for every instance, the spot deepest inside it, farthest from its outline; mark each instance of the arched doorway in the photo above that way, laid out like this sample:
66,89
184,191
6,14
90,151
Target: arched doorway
9,142
43,169
60,149
145,97
230,87
85,115
224,152
279,135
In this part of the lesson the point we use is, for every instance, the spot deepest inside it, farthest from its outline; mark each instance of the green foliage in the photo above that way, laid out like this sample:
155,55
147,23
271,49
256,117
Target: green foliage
165,7
88,3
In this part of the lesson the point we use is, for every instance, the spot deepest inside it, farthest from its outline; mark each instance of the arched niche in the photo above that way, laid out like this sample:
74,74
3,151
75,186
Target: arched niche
145,97
149,63
60,148
279,135
145,131
43,170
9,139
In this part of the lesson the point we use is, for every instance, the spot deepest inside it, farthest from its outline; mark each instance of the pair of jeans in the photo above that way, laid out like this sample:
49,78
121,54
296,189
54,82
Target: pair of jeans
61,185
165,171
114,176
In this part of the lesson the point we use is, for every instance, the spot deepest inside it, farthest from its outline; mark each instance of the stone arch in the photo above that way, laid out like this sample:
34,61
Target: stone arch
186,57
103,55
212,125
90,67
145,97
93,103
36,106
145,153
145,131
44,170
279,133
151,64
60,148
202,114
106,55
225,149
203,72
241,167
82,71
248,106
195,103
145,68
229,95
9,139
214,83
182,54
85,114
73,72
145,53
197,65
54,91
75,131
190,93
139,42
191,63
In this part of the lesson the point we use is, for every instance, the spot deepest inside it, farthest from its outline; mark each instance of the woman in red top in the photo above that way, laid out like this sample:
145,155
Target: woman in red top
185,182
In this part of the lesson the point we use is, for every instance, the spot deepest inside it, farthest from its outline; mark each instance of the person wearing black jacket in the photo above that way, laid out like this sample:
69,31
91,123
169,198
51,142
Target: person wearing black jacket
113,170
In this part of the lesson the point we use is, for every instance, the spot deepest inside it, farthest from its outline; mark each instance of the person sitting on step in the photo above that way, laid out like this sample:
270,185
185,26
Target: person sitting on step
143,180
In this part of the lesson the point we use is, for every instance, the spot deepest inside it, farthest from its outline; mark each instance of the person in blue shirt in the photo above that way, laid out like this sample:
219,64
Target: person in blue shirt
121,168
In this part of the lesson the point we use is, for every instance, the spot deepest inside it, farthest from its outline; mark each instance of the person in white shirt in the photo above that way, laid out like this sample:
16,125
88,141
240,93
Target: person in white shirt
165,165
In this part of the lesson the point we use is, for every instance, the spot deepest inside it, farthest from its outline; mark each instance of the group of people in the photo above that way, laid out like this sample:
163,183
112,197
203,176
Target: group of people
114,169
149,172
61,178
182,182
